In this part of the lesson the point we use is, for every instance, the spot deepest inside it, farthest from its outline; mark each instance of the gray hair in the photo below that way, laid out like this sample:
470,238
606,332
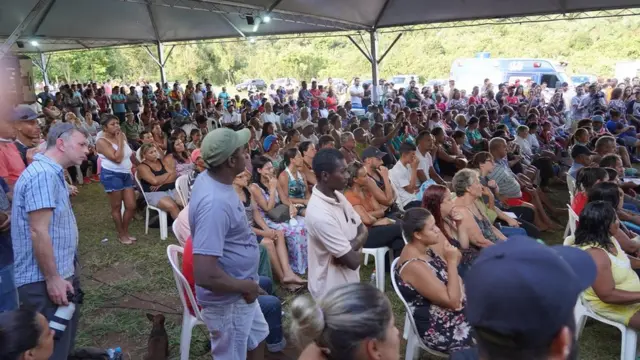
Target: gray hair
462,180
493,143
66,136
343,317
345,136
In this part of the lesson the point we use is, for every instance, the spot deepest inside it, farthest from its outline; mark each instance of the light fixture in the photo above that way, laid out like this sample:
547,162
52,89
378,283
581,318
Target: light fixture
250,20
266,19
256,25
252,40
34,43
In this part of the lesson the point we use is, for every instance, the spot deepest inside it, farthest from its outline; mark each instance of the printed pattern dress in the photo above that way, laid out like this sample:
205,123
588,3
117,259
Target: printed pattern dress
440,329
295,236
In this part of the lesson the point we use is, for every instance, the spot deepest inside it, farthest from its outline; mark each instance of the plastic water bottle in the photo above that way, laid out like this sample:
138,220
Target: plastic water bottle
61,319
114,354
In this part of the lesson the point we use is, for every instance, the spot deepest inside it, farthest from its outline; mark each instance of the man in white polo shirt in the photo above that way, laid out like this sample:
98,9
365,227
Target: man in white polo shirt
335,232
357,93
426,171
404,177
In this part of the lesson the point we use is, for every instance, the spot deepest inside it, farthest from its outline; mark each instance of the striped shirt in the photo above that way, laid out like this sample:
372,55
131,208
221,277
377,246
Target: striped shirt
505,179
42,186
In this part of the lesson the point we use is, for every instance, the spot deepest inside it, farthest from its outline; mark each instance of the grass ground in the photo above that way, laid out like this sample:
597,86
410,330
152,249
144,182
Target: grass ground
122,283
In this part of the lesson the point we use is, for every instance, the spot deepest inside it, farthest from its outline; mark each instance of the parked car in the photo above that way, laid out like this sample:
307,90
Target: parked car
339,85
252,85
583,78
403,81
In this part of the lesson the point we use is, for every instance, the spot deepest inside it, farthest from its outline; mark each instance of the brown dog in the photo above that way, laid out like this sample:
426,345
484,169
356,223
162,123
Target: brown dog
158,344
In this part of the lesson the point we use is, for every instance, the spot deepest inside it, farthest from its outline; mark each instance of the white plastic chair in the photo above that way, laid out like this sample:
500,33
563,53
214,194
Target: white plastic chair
571,184
188,319
414,342
378,257
629,335
182,188
573,220
164,228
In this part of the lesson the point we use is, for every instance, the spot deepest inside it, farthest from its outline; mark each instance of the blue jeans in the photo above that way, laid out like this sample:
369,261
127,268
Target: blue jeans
8,291
272,311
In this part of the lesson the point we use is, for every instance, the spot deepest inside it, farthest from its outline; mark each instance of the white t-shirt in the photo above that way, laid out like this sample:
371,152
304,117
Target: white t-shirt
324,113
426,162
356,101
228,118
330,227
197,95
400,176
270,118
525,149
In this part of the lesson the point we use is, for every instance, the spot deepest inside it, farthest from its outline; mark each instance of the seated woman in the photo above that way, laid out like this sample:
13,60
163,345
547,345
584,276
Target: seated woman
178,158
615,294
439,201
354,320
585,179
25,334
613,194
292,184
264,191
427,276
273,240
158,181
383,231
474,222
448,157
271,146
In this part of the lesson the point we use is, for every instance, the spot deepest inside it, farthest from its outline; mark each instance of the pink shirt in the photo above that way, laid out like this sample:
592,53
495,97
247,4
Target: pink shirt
331,225
11,164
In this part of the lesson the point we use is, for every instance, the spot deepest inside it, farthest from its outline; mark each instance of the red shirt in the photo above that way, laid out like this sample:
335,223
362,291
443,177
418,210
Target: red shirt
579,202
332,103
441,106
475,100
315,103
187,270
512,100
11,164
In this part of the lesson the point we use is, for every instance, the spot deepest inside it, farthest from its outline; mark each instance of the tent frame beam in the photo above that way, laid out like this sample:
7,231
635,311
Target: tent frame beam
364,53
37,10
160,59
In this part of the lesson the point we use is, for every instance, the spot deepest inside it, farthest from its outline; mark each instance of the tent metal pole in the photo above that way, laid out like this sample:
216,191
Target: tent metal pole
374,67
390,47
15,35
161,61
45,66
359,47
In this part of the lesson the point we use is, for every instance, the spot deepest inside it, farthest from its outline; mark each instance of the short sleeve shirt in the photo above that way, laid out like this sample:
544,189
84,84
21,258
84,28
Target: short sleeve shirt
400,176
11,164
331,225
219,228
505,179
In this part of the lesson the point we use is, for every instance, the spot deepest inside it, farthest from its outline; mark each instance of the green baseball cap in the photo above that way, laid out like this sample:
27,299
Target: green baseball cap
220,144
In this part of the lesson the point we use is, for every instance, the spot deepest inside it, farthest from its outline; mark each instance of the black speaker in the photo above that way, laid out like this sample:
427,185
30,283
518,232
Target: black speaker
250,20
20,44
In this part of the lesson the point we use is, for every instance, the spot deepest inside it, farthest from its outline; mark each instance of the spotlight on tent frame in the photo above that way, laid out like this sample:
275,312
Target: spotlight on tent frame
257,24
34,43
266,19
252,40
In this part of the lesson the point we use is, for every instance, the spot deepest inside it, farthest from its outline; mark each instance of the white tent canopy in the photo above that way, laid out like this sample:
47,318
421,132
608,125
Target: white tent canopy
81,24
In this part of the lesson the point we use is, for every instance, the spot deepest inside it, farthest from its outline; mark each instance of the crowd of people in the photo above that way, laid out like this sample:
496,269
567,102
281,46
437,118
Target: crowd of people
280,187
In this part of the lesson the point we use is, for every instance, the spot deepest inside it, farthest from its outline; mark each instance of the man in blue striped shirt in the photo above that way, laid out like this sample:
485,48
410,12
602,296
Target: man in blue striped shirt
44,231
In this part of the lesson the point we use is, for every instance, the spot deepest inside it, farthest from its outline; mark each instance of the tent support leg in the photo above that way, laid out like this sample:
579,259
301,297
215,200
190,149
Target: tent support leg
45,66
374,67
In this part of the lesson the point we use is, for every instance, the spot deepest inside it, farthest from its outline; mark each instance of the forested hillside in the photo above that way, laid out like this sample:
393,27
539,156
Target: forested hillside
589,46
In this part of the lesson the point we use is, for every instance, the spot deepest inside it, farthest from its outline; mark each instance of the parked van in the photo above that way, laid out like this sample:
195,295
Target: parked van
473,71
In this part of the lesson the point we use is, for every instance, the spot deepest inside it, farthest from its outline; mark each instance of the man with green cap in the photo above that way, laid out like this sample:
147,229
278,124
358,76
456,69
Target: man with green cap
225,251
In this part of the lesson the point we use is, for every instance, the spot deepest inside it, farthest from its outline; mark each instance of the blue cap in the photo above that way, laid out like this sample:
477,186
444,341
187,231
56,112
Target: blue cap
23,113
268,141
525,291
597,118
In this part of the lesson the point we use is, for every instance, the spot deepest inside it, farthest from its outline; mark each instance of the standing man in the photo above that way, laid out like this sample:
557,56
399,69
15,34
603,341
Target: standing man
225,251
45,234
224,97
413,99
27,132
45,95
357,93
11,164
335,232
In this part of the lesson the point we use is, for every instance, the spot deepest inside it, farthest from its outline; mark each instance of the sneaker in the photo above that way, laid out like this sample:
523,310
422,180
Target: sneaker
86,180
95,178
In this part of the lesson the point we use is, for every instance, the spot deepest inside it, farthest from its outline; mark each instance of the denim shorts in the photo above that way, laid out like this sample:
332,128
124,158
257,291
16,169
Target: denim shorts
115,181
235,328
8,291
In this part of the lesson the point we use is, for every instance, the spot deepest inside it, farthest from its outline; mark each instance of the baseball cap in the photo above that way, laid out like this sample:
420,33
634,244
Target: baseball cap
525,291
578,150
372,152
303,124
268,141
195,155
23,113
57,130
221,143
597,118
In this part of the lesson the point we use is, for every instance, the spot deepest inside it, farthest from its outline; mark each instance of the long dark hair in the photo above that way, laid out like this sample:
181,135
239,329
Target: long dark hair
431,200
288,156
595,222
182,157
589,176
258,163
19,332
607,192
413,221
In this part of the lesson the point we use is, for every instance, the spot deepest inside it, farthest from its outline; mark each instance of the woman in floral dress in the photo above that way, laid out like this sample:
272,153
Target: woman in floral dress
427,276
264,191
